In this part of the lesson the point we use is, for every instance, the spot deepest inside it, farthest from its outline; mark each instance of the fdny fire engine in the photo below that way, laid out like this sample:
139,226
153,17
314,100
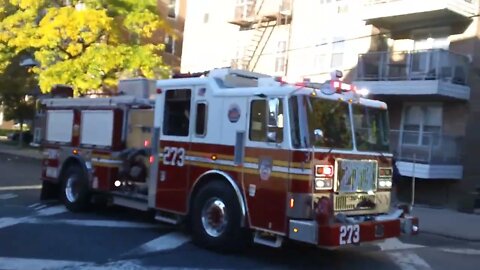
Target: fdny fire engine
236,155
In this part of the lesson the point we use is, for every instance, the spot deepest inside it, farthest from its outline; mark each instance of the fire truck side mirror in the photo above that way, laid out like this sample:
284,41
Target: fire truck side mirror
275,119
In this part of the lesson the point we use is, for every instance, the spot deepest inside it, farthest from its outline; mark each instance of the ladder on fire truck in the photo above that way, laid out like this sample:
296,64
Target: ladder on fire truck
262,26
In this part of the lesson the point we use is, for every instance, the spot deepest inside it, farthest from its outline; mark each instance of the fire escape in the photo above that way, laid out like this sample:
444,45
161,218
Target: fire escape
261,18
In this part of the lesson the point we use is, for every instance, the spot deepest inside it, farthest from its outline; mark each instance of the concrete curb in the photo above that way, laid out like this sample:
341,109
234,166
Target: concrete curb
22,153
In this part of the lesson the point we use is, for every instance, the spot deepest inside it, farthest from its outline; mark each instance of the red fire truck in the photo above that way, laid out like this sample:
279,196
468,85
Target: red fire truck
236,155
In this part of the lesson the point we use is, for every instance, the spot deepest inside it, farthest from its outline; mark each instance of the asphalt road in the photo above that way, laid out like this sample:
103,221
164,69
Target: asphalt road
44,235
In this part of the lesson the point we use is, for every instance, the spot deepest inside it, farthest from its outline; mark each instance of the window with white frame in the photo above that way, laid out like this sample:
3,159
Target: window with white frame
281,55
245,8
172,9
338,49
422,124
329,54
169,44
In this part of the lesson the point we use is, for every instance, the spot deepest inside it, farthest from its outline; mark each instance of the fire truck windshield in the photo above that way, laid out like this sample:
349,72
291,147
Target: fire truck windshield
371,128
329,117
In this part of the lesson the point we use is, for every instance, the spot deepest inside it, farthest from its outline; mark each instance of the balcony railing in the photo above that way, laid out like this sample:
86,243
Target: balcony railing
251,8
378,2
433,64
426,147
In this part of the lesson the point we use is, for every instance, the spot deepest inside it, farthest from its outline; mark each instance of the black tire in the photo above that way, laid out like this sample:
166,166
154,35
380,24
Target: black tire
233,236
81,202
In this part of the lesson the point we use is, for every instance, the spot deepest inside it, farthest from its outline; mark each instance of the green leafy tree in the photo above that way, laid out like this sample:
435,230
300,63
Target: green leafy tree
88,45
17,83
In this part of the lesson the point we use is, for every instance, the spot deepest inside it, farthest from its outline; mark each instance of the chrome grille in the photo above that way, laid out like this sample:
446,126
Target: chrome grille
351,202
356,175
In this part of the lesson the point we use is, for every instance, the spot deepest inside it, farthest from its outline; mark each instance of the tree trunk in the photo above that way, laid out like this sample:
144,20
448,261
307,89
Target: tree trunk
20,136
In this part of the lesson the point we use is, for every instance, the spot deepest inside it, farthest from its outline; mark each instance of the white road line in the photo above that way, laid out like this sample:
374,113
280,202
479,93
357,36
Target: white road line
408,261
166,242
395,244
465,251
7,196
93,223
34,264
9,221
12,188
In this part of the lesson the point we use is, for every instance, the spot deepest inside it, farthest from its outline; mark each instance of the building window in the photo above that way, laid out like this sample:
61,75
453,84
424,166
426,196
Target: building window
422,125
172,9
176,118
201,120
281,56
169,44
338,49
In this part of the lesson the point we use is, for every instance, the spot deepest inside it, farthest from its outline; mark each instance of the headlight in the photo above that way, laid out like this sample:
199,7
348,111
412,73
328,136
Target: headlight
323,183
385,183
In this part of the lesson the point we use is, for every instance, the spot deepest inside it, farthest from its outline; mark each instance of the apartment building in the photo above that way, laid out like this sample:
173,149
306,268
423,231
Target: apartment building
173,12
421,57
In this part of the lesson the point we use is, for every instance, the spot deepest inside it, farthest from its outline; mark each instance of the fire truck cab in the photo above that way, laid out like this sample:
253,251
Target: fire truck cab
234,154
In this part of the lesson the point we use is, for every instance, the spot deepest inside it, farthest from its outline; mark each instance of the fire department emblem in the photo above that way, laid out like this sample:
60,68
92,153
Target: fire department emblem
265,168
234,113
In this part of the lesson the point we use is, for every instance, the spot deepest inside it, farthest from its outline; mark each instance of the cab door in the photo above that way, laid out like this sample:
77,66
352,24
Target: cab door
175,142
266,173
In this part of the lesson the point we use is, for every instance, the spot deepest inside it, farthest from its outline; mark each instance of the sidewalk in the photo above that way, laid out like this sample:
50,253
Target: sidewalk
449,223
24,152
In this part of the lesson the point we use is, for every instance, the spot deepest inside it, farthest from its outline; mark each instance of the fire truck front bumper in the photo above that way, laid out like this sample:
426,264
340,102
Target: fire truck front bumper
352,232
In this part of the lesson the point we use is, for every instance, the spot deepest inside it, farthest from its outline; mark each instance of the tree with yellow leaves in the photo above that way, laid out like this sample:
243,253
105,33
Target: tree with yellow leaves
88,44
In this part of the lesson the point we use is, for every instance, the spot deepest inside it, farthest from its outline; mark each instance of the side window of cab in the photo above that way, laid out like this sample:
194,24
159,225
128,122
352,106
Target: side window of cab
266,120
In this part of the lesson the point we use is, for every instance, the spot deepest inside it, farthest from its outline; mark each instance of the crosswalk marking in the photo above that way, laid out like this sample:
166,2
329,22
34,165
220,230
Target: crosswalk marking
39,207
408,261
14,188
7,263
34,205
396,244
7,196
52,210
166,242
34,264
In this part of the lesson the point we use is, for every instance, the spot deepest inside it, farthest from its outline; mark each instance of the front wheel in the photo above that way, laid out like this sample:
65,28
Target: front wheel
75,191
216,218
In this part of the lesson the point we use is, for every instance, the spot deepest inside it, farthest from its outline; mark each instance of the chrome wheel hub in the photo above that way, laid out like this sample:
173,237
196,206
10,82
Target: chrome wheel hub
214,217
71,189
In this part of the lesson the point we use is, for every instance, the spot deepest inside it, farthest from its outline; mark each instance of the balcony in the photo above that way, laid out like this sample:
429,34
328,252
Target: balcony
436,72
251,11
436,156
405,14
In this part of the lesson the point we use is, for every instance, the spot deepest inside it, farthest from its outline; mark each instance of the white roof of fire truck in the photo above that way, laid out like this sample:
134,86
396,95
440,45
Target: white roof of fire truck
237,83
226,82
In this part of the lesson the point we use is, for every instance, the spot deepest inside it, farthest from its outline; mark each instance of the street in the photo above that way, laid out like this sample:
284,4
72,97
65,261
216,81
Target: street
38,234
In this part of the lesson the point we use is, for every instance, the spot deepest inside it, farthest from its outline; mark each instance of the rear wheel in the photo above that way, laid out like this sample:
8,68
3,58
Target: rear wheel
75,191
216,218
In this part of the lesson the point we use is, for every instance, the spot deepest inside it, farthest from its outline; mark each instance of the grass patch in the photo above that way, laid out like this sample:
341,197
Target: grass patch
5,132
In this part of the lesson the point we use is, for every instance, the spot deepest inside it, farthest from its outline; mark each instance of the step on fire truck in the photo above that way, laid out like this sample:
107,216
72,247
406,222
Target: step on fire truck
236,155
